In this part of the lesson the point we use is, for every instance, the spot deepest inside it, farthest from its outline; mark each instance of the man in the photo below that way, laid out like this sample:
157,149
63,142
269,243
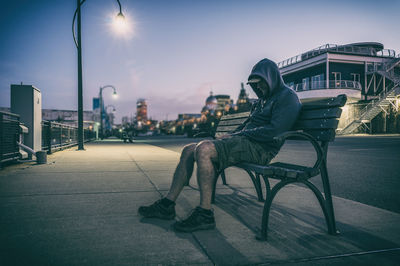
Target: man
275,112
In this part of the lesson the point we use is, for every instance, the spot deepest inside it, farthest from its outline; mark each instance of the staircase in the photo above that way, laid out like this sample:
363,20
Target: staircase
381,103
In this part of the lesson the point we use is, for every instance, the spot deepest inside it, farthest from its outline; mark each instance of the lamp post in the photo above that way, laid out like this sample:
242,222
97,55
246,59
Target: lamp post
102,107
78,45
110,116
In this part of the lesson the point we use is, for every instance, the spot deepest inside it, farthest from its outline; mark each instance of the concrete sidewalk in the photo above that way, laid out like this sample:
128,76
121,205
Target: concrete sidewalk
81,209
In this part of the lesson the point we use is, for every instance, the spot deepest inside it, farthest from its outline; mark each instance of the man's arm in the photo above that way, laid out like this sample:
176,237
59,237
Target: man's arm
240,127
284,116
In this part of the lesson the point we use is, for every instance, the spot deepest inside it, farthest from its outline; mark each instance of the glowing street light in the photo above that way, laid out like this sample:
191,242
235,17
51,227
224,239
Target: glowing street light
119,24
120,17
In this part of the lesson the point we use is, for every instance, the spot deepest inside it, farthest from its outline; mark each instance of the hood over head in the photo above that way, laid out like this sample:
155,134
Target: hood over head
269,71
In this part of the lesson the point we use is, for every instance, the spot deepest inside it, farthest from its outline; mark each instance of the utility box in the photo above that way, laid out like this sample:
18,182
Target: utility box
26,101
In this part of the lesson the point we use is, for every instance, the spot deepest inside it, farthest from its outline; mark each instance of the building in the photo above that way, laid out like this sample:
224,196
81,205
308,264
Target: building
127,120
366,72
217,105
141,110
68,117
243,102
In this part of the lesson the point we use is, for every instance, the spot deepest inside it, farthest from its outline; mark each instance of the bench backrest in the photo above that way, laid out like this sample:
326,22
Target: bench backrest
318,118
230,122
321,118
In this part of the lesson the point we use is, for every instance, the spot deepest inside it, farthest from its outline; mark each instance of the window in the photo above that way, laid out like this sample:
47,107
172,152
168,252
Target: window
306,84
355,77
291,85
338,78
318,81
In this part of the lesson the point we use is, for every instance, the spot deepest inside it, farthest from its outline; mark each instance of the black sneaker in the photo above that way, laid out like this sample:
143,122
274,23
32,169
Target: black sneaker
158,210
199,219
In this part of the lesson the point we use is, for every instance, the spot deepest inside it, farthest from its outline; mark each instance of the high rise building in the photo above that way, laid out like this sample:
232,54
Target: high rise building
141,110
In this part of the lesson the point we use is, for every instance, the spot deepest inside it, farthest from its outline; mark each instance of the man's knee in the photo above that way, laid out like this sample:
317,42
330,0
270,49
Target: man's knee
205,149
188,151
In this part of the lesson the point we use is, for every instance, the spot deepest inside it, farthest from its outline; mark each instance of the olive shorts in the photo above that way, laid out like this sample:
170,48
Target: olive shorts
237,149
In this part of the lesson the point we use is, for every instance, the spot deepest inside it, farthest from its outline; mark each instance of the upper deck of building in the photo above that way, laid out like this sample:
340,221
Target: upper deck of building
364,49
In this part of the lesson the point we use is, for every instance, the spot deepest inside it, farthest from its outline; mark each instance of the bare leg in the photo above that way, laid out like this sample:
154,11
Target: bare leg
183,172
205,154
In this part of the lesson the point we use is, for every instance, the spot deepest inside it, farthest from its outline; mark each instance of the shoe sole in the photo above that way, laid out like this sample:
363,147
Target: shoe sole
197,228
171,217
160,217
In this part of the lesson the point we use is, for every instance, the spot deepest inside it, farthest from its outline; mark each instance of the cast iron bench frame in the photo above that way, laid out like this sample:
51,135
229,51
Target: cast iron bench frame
317,123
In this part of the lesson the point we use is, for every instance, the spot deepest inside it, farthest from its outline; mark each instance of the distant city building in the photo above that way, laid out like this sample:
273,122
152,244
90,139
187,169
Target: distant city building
69,117
211,102
127,120
243,103
182,117
141,110
223,103
216,105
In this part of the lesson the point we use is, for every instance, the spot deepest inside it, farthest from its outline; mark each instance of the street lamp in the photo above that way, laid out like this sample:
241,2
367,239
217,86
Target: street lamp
120,19
102,106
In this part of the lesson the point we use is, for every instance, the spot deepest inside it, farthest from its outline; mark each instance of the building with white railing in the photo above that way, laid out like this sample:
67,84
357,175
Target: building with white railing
366,72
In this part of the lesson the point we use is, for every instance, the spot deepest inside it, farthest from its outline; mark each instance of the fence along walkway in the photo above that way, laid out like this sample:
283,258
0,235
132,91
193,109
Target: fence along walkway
9,135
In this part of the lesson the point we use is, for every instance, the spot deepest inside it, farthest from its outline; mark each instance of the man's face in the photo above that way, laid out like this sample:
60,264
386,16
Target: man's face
262,85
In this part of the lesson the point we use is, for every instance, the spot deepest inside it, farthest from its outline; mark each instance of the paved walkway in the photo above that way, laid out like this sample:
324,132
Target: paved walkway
81,209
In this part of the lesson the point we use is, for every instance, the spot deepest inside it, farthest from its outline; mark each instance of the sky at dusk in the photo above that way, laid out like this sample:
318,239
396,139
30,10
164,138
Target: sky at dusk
177,51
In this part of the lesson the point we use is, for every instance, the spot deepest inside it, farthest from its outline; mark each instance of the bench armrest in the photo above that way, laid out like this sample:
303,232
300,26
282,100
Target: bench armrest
302,135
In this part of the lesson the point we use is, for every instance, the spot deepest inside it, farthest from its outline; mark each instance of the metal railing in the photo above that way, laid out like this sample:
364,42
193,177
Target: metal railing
349,49
379,98
9,135
332,84
58,136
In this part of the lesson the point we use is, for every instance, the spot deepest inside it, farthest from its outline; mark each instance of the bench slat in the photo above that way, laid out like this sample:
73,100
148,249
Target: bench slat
338,101
218,134
232,122
226,128
330,123
235,116
320,113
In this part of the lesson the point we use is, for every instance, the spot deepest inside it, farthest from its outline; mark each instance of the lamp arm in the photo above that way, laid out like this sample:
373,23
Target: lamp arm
120,9
109,86
73,23
73,20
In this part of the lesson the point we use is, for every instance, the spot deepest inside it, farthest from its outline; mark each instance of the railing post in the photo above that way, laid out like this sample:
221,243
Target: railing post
1,138
49,137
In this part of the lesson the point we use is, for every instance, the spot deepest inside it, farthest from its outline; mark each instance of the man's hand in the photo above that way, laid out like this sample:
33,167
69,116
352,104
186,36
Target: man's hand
226,136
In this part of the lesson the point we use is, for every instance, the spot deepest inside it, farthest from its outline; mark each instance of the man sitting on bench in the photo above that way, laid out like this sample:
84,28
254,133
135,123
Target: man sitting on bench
275,112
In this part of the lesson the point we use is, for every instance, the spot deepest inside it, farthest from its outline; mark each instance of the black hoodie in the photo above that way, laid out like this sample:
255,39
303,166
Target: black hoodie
273,114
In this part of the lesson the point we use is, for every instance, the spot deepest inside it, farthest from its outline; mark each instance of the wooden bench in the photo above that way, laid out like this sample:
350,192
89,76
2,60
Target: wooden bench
316,124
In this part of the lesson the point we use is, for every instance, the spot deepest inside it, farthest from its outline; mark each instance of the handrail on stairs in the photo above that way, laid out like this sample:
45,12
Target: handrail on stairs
374,102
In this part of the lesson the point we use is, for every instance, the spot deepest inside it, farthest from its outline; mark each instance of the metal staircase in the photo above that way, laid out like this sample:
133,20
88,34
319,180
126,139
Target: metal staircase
379,104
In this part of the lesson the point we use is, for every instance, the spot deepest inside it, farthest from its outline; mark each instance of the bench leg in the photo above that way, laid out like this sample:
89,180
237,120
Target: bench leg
257,185
267,185
328,199
322,203
267,207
